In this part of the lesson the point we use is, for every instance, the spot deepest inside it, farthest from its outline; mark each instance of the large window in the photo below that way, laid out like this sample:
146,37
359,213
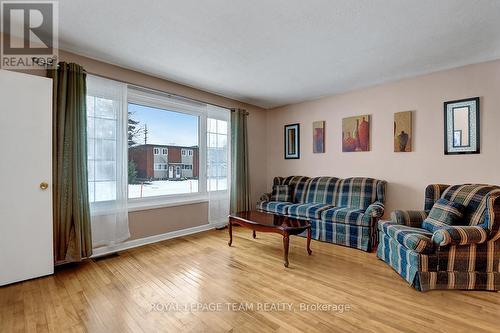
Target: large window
163,152
148,148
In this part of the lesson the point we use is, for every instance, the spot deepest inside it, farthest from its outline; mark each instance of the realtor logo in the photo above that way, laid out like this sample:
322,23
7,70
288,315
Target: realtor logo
29,39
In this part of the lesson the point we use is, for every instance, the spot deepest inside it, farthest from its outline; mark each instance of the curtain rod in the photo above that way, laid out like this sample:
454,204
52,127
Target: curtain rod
37,61
165,92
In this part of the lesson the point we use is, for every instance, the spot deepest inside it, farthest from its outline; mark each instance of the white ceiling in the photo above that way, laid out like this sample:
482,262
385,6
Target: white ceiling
275,52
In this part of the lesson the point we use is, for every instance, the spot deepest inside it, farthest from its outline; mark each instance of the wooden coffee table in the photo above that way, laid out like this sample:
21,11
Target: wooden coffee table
268,222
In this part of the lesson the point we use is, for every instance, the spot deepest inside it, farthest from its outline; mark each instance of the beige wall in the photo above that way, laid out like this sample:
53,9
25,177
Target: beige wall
407,173
150,222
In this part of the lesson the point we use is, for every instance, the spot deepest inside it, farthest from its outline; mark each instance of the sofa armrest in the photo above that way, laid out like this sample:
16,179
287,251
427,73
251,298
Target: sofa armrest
265,197
376,209
460,235
411,218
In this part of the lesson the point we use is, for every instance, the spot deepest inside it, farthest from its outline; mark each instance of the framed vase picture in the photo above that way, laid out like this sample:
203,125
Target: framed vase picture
318,137
403,133
461,126
356,134
292,141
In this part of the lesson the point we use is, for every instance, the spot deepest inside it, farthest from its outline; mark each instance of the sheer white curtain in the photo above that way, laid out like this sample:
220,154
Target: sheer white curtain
107,160
218,163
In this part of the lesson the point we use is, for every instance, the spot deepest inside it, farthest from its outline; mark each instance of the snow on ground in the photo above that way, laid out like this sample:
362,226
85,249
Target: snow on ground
166,187
162,187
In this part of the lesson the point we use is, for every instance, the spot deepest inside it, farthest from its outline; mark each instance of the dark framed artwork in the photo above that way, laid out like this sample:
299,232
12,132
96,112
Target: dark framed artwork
462,126
292,141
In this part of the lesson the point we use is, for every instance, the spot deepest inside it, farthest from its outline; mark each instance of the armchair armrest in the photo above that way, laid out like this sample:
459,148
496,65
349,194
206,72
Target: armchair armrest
460,235
376,209
411,218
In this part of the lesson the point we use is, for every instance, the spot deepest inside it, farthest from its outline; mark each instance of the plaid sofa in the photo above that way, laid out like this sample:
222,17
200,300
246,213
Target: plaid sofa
341,211
464,256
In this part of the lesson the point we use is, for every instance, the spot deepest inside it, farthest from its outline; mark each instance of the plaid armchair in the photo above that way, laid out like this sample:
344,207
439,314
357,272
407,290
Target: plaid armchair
439,256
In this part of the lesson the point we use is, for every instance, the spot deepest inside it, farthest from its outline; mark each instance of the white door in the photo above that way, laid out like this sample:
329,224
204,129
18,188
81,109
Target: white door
26,150
170,172
177,172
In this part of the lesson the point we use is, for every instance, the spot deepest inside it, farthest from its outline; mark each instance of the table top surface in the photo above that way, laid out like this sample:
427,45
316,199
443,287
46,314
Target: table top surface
270,220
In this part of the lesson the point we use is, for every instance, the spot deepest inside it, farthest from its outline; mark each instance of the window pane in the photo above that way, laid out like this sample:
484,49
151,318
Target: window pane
212,140
101,148
217,156
105,149
221,127
105,170
221,141
105,129
104,108
212,125
105,191
163,152
90,106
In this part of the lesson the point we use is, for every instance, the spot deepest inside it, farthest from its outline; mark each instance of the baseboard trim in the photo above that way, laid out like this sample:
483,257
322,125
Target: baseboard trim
105,250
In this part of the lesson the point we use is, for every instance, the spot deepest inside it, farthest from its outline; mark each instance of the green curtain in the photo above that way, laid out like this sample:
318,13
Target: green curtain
240,185
72,234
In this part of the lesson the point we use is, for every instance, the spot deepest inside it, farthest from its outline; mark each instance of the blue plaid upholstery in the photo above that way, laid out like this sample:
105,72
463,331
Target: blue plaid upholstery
323,190
342,211
298,185
416,239
346,215
342,234
281,193
463,256
357,192
442,214
277,207
410,218
460,235
307,210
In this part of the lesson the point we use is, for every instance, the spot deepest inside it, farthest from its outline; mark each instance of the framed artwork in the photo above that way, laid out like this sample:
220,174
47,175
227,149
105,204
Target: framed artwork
318,137
356,133
292,141
403,133
461,126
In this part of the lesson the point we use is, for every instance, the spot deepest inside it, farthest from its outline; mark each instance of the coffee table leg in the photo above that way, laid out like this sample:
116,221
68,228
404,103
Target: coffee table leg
254,235
230,227
286,240
309,241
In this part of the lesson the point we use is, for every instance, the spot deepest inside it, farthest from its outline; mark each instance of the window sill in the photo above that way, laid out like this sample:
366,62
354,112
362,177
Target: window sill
147,204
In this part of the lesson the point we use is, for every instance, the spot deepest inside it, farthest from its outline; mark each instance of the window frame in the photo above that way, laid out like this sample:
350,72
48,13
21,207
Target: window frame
163,101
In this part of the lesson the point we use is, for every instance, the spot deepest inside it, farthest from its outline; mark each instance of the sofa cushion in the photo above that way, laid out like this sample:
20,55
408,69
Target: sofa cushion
298,186
281,193
346,215
307,210
415,239
443,213
322,190
277,207
359,192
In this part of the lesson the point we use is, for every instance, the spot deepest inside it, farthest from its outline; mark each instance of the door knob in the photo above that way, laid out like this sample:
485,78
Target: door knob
44,185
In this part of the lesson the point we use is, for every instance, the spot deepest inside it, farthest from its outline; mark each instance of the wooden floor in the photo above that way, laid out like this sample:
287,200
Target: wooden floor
136,292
